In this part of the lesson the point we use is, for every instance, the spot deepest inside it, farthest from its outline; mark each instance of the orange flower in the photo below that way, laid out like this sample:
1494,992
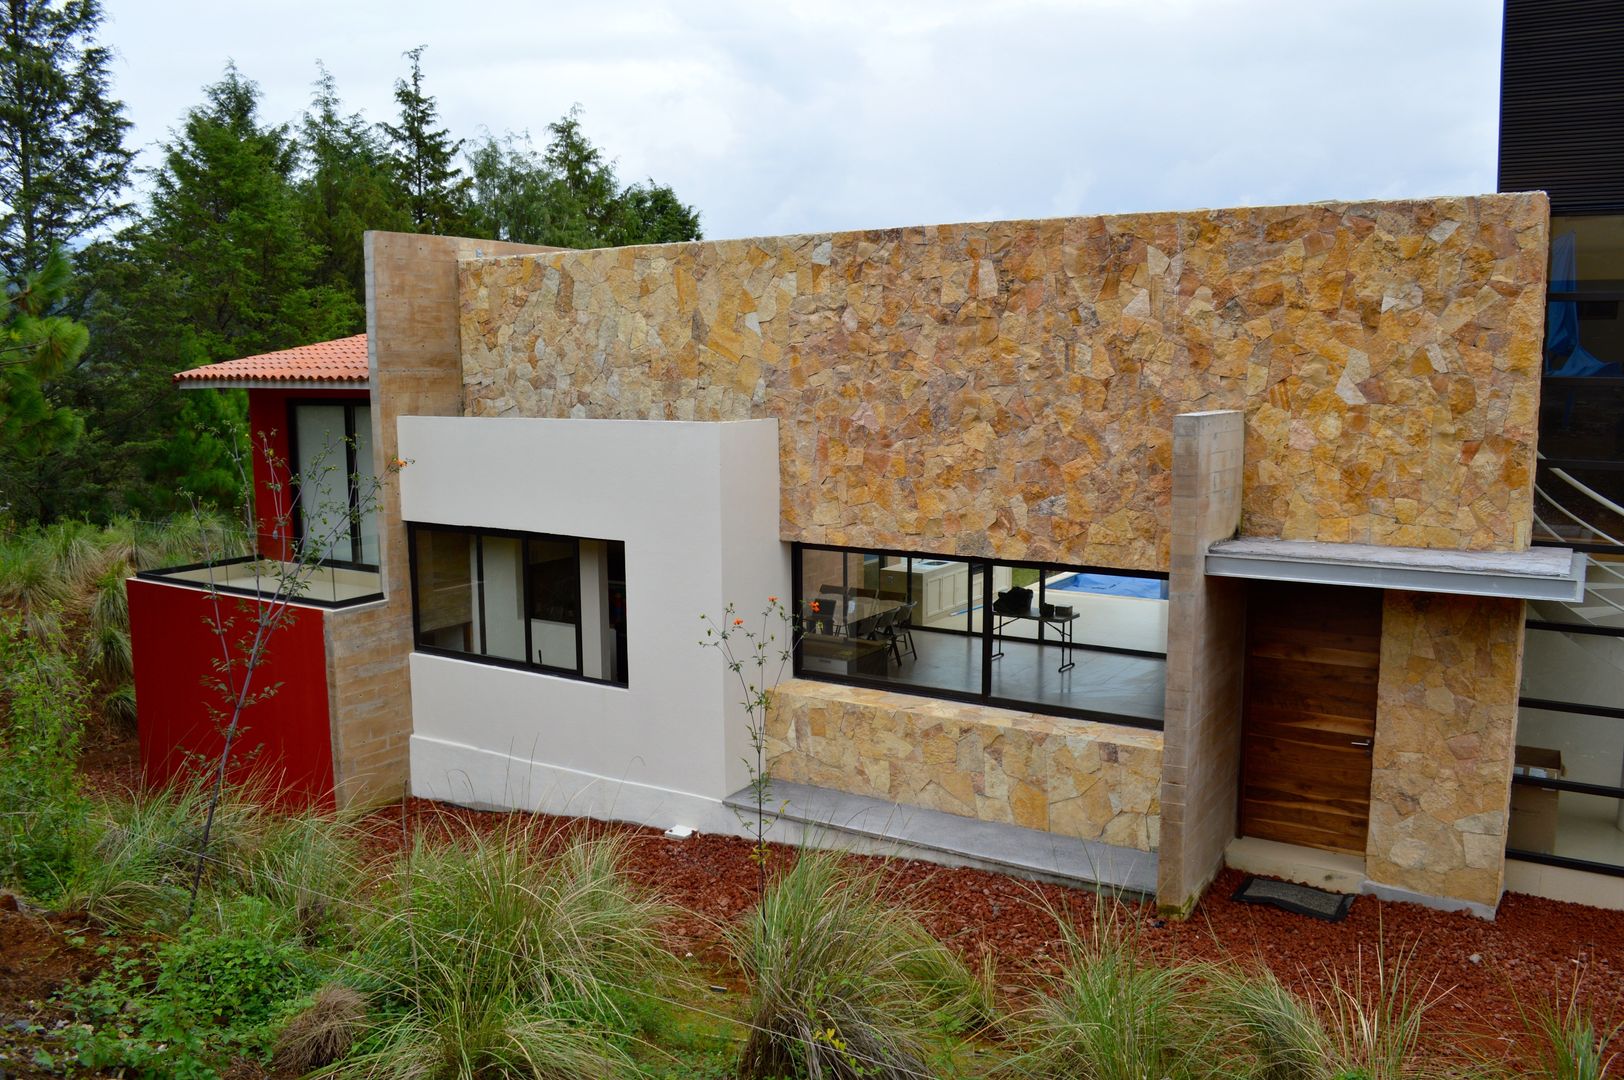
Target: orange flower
738,622
815,607
772,599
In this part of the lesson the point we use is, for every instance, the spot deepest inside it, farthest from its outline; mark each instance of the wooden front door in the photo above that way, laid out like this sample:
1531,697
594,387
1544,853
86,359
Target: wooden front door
1312,658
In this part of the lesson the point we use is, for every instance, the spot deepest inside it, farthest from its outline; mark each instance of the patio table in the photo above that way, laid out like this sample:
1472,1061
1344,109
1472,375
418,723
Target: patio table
1061,623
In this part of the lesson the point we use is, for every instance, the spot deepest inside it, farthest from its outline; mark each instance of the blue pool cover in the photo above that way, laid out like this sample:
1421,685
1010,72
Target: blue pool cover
1111,585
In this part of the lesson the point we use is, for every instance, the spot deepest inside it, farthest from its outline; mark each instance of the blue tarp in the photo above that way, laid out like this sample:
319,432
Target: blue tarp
1111,585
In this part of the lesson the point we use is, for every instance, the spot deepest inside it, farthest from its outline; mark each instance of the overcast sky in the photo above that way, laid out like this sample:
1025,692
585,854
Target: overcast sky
825,115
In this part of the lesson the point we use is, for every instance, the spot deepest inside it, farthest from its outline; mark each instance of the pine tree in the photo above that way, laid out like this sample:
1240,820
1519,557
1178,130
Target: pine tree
36,346
425,157
63,162
348,186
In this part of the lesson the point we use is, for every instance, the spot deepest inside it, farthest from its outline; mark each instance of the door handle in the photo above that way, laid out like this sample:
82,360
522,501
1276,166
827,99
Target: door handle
1357,743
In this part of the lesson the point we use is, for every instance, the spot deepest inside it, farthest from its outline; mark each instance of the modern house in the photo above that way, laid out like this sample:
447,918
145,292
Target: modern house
1117,547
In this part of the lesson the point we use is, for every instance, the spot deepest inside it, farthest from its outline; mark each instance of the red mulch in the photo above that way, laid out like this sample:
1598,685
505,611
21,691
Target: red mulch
1534,950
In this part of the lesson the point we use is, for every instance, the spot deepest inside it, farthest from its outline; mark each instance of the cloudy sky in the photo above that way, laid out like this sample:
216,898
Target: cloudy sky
839,114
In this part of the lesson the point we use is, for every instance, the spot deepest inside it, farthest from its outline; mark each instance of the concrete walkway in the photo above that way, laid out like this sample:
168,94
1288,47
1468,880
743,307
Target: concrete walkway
914,832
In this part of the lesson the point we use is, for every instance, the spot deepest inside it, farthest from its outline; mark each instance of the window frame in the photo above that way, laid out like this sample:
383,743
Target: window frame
983,567
1550,705
526,587
352,490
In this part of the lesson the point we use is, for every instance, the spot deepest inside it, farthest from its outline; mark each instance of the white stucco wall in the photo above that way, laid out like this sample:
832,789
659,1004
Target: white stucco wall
696,505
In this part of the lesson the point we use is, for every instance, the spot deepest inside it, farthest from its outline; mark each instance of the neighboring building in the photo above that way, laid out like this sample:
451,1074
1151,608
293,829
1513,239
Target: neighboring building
1562,131
1122,546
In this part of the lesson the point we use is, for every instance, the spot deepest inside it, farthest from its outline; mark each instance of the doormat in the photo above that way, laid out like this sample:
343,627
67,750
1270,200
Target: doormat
1299,899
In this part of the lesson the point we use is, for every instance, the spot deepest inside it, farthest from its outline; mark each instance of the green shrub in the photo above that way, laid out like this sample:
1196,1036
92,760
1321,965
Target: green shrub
496,958
843,984
44,820
218,991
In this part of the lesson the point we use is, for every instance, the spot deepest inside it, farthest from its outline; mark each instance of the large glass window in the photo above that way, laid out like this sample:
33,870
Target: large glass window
335,503
1064,640
549,603
1567,804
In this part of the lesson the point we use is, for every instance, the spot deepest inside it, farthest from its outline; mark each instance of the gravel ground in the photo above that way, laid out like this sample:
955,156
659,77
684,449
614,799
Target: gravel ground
1486,971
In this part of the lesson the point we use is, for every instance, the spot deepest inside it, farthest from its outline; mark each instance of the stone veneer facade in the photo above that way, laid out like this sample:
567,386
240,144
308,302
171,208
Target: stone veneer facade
1074,778
1446,720
1008,389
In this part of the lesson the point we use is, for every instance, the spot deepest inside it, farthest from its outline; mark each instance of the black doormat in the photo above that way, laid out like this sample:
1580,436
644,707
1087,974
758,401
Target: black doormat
1300,899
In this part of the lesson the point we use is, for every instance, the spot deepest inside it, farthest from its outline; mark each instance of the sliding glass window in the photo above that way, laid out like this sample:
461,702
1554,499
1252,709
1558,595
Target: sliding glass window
1071,641
334,492
546,603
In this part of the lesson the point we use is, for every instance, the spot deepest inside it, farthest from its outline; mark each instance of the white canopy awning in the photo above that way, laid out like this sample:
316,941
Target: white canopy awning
1542,573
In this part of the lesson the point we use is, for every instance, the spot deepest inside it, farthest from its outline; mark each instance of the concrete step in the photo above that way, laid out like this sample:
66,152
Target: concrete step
1329,870
838,819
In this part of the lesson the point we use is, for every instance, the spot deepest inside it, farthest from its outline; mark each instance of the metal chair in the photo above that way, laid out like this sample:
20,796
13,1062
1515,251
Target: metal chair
883,630
902,630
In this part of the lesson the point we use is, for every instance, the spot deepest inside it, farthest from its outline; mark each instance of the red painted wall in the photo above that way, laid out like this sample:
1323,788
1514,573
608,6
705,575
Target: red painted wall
284,739
268,427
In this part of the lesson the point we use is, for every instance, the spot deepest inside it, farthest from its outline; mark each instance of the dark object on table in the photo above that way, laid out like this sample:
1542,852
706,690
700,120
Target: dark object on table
1013,601
1297,899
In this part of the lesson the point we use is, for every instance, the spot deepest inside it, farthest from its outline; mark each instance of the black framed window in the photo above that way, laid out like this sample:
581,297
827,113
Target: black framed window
1084,642
541,602
335,504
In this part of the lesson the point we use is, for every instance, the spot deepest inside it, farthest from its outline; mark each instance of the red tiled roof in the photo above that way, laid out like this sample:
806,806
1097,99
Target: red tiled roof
340,361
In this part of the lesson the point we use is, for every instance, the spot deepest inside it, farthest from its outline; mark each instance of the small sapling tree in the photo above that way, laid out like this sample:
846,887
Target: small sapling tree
244,633
758,656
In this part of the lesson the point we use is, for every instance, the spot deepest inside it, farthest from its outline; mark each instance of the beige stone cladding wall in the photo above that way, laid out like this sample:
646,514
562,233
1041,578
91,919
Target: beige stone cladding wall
413,341
1446,721
1008,389
1206,644
1075,778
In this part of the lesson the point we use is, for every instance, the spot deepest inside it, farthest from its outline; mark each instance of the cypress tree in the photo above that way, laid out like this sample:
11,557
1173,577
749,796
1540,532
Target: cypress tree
62,157
425,157
347,186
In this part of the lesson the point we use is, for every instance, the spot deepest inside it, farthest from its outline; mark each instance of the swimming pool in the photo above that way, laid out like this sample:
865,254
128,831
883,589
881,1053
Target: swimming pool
1110,585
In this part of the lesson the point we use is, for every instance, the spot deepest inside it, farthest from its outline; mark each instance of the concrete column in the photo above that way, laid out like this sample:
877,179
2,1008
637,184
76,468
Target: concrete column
415,356
1206,637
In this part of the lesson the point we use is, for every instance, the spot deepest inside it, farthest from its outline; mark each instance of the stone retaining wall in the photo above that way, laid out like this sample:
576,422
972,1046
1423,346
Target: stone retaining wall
1076,778
1008,389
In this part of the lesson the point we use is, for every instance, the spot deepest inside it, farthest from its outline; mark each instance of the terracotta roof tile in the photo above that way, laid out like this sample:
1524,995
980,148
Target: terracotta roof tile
340,361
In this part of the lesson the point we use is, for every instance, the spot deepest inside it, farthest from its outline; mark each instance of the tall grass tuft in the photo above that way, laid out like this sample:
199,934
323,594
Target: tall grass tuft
1568,1045
508,955
1285,1035
119,704
323,1033
1112,1013
145,850
305,863
844,984
31,585
1374,1020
